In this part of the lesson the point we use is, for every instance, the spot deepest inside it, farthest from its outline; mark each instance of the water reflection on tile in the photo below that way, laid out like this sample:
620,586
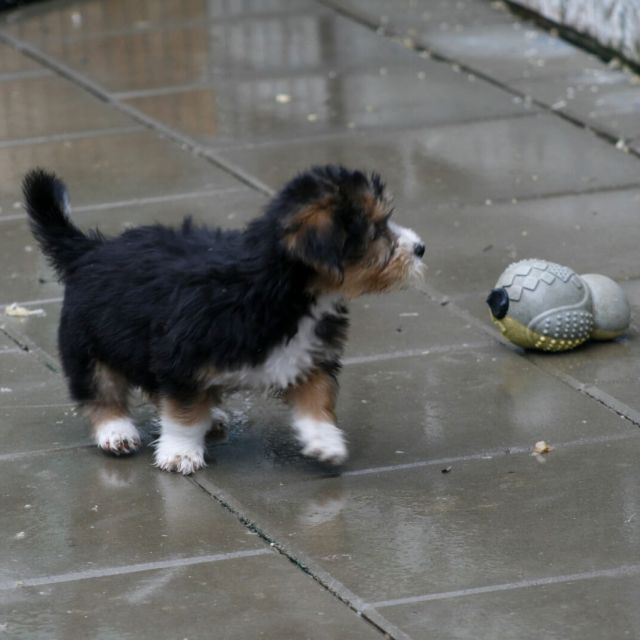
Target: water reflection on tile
230,113
110,168
48,105
475,162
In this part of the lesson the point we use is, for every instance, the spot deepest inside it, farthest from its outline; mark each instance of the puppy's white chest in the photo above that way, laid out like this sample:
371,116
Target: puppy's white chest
287,361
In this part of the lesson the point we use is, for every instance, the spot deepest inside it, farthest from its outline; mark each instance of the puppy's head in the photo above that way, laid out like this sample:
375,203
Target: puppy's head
338,223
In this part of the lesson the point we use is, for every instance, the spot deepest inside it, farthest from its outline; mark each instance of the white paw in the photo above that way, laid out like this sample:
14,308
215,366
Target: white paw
118,436
321,440
182,458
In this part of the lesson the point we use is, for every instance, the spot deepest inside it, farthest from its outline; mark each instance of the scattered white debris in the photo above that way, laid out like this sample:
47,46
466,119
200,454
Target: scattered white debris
560,104
283,98
94,508
541,447
312,117
622,146
409,314
5,390
15,310
76,19
20,535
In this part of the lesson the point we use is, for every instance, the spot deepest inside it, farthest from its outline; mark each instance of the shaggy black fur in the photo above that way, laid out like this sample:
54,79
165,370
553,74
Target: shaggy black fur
157,304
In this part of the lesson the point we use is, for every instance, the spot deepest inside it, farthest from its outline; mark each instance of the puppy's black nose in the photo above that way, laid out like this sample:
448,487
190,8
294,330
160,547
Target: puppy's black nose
419,249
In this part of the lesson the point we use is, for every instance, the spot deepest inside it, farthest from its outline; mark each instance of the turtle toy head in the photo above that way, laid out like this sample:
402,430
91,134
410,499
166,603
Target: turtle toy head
542,305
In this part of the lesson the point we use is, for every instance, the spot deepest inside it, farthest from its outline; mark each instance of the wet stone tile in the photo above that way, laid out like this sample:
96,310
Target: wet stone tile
244,111
580,610
278,44
43,106
419,531
411,18
606,100
84,20
257,597
475,162
469,246
444,405
101,169
510,52
38,428
11,61
83,510
27,382
25,274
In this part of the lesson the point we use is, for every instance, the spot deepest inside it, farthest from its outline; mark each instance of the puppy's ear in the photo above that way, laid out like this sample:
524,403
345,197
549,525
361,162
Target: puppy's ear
316,237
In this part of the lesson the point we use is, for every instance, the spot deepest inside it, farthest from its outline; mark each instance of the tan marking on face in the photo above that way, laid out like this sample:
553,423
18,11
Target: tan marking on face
315,397
112,396
375,209
316,217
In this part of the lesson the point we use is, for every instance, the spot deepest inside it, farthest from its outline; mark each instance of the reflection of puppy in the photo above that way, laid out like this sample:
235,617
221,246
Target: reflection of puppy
189,313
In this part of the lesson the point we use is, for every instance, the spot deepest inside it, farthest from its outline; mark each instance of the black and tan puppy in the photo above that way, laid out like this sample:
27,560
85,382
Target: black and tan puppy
190,313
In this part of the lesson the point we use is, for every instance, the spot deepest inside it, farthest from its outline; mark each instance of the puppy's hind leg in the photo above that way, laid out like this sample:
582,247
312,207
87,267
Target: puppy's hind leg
107,408
183,424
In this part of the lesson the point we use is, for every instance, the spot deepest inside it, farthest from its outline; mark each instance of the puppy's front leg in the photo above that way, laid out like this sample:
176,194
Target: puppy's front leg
183,424
314,420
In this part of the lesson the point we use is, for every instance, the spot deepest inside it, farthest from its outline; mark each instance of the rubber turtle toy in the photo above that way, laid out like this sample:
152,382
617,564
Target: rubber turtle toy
542,305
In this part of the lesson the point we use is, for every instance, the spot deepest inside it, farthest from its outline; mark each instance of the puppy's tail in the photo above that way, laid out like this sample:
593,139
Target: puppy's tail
47,204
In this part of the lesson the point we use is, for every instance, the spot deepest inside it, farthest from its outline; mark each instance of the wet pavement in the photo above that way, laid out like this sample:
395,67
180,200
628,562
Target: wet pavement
500,142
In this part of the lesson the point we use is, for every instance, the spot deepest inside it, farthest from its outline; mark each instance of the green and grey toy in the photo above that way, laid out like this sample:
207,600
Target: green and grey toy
543,305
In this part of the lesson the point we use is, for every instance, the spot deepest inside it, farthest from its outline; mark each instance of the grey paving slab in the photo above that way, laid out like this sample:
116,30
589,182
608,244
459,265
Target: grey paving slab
37,428
11,61
510,52
306,40
25,274
6,344
484,37
416,410
474,162
604,99
81,20
418,531
470,246
259,597
26,382
579,610
110,168
41,106
398,96
82,510
412,17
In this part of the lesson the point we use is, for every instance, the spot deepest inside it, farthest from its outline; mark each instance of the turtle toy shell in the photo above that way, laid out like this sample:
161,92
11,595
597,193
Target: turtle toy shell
543,305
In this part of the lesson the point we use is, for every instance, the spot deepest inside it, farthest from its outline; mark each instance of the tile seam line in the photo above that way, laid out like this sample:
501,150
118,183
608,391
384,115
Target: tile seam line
70,135
620,571
493,454
332,586
590,391
363,131
392,34
137,202
102,94
106,572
